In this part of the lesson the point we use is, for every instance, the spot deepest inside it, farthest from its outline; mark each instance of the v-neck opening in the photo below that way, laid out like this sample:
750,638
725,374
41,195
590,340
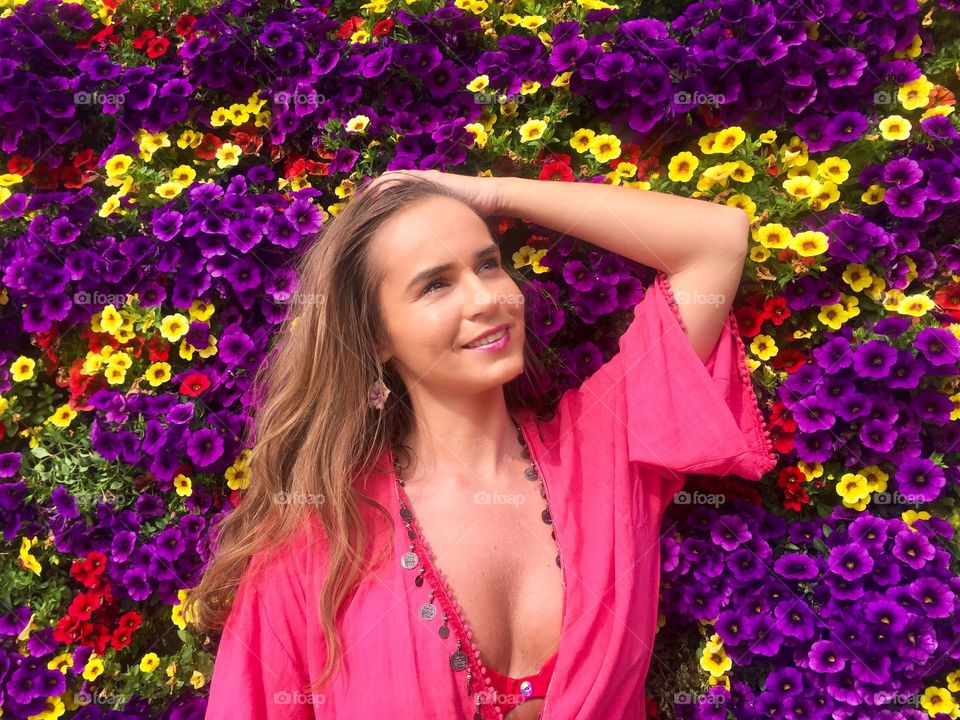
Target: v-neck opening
473,652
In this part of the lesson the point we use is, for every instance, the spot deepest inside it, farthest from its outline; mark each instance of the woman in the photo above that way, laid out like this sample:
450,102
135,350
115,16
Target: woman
417,539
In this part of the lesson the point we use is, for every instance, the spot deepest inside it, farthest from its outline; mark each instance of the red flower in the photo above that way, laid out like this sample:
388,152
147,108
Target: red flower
157,47
948,298
67,629
20,165
749,321
84,159
349,28
185,24
83,606
88,571
143,38
130,620
121,638
194,384
158,349
207,149
776,310
383,27
557,170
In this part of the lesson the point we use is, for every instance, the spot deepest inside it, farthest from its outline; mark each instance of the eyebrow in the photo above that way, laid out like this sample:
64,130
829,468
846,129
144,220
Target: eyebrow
433,272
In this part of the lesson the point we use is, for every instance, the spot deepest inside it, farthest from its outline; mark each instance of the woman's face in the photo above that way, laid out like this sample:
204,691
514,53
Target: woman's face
430,318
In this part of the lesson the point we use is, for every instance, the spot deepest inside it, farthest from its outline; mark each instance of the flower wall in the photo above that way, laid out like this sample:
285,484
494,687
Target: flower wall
163,164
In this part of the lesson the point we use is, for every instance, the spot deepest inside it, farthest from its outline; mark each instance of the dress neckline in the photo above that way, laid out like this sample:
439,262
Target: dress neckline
447,599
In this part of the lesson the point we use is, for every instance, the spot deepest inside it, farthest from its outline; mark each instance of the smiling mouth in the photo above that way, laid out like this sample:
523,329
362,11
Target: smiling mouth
490,339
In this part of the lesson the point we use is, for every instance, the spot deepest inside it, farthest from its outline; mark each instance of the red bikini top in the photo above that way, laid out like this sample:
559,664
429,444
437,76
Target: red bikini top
511,691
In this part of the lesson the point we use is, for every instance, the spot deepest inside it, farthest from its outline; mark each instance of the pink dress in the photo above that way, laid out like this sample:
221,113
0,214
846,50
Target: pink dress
611,460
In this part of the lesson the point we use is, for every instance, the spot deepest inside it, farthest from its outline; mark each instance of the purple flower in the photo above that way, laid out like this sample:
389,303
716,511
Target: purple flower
920,479
850,562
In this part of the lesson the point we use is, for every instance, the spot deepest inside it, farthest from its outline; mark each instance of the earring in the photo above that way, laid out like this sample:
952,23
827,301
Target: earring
377,396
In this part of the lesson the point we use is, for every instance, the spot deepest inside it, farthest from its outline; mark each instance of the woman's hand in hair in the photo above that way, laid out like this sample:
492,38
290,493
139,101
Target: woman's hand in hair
482,193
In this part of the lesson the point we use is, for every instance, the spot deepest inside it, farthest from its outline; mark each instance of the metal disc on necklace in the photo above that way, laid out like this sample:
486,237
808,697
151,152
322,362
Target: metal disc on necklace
428,611
409,560
406,514
443,631
458,661
545,516
530,473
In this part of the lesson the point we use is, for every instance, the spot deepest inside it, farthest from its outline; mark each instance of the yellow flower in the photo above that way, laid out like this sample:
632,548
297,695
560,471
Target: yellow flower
62,416
93,669
173,327
874,195
937,110
168,190
835,169
197,679
911,516
120,359
876,478
742,172
479,133
728,140
764,347
937,700
189,139
357,124
915,305
605,148
810,470
115,375
478,83
770,136
562,80
895,127
682,166
915,94
511,19
118,165
528,87
953,681
857,276
745,203
581,140
183,175
528,256
228,155
158,373
853,487
809,243
238,477
759,254
774,236
239,114
715,661
176,616
532,130
61,662
28,561
149,662
828,195
110,206
833,316
219,117
183,485
802,186
532,22
22,368
8,179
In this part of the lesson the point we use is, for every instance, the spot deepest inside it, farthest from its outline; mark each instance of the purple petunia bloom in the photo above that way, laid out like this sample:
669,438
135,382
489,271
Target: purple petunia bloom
10,464
920,479
850,562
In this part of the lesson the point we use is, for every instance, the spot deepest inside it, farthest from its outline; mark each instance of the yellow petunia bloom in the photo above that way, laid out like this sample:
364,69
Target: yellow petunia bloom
183,485
876,478
219,117
115,375
110,206
895,127
829,194
479,133
728,140
511,19
936,700
357,124
62,416
481,82
874,195
911,516
835,169
770,136
764,347
937,110
532,22
110,319
8,179
745,203
149,662
715,661
197,679
529,256
853,487
28,561
183,175
605,148
581,140
22,368
118,165
809,243
61,662
173,327
158,373
915,94
532,129
168,190
759,254
802,186
857,276
774,236
915,305
833,316
562,80
742,172
228,155
528,87
682,166
93,669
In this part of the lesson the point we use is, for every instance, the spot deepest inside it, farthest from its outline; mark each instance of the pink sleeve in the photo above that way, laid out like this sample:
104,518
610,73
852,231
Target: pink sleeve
255,676
677,412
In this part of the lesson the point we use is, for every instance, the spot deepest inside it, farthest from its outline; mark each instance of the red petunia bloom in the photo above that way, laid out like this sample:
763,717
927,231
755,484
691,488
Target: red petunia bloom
383,27
143,38
349,28
185,24
157,47
194,384
20,164
207,149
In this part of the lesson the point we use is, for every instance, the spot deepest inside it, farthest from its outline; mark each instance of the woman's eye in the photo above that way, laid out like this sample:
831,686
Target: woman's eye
427,288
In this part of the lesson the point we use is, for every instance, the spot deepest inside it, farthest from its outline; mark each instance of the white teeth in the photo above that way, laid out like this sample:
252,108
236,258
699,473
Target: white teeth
489,340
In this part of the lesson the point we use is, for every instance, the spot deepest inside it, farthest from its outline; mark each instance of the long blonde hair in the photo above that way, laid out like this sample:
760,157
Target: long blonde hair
313,429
